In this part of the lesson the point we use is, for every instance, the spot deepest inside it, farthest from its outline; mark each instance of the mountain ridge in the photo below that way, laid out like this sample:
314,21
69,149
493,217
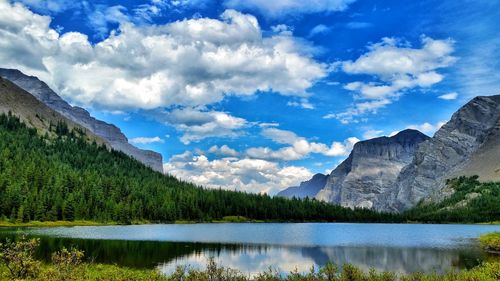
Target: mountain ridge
109,132
417,168
306,188
472,128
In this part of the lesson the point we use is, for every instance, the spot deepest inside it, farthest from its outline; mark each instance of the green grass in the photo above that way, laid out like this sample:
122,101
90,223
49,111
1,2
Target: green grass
489,271
53,223
491,242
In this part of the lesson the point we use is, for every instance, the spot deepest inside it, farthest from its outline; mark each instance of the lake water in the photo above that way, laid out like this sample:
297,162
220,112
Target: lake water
285,247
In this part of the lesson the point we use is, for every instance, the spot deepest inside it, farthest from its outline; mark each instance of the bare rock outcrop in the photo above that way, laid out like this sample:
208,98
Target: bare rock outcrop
455,149
371,170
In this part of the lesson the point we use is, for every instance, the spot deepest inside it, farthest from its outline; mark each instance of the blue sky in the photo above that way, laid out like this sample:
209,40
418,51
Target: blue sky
257,95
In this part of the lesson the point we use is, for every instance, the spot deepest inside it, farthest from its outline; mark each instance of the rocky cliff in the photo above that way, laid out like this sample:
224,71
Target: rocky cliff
108,132
370,170
306,189
467,144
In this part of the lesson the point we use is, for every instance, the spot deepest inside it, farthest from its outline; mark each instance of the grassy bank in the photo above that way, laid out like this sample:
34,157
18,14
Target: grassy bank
52,223
227,219
99,272
491,242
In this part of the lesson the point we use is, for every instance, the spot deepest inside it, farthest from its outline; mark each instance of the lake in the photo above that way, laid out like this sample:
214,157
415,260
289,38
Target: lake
254,247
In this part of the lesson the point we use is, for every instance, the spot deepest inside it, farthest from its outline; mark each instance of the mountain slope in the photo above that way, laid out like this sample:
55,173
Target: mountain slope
306,189
370,170
33,112
457,147
108,132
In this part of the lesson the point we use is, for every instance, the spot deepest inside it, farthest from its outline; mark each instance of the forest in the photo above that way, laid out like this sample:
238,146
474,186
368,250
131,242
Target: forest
61,176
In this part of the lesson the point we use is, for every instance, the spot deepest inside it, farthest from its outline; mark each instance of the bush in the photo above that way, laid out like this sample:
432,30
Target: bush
18,257
66,261
491,242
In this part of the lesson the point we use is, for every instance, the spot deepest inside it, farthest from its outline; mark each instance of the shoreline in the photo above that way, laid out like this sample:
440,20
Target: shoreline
7,224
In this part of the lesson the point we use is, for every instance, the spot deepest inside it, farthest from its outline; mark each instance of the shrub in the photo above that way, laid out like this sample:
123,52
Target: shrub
18,257
491,242
65,261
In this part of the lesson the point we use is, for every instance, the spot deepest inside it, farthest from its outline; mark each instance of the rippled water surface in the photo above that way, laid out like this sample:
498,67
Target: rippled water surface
288,246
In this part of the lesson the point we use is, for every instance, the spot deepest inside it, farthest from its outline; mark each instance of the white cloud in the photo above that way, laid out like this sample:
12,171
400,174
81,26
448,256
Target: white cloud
101,17
251,175
319,29
50,6
395,67
280,8
449,96
189,62
196,124
298,147
146,140
427,128
223,150
303,103
370,134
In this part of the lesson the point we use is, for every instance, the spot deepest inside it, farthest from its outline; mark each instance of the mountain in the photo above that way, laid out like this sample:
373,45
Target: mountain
306,189
59,175
108,132
370,170
467,144
33,112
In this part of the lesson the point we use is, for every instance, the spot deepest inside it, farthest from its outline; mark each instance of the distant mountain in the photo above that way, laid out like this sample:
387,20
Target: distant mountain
108,132
467,144
306,189
370,170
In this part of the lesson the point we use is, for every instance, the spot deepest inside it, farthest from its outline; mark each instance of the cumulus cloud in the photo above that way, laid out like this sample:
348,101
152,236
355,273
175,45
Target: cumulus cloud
395,67
302,103
250,175
280,8
298,147
191,62
449,96
146,140
223,150
197,124
426,128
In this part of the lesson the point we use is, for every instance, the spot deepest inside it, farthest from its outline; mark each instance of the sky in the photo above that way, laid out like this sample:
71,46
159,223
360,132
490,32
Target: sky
257,95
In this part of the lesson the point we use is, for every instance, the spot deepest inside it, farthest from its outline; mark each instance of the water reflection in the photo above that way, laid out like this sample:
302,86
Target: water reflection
286,259
253,248
252,258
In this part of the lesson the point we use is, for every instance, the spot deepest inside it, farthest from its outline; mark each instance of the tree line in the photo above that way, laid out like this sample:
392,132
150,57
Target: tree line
63,176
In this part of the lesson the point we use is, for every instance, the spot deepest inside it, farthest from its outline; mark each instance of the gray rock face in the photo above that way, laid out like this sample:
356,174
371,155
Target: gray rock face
472,130
306,189
371,170
109,132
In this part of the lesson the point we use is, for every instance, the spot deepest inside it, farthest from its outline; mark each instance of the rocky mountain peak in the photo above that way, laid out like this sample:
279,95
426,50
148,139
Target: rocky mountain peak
471,131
